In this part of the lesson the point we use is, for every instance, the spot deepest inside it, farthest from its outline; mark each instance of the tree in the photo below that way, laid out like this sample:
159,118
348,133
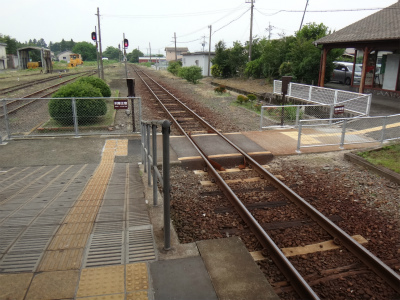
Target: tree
12,44
87,50
133,57
305,57
230,61
112,53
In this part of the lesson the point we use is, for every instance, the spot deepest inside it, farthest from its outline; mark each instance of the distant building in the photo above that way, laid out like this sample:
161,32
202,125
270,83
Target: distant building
64,56
154,59
198,59
3,56
170,52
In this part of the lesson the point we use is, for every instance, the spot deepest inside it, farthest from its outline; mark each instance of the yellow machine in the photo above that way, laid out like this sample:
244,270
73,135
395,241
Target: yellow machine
34,64
75,60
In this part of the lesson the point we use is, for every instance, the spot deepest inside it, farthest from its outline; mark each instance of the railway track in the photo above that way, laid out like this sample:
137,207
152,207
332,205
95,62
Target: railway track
25,85
19,103
259,197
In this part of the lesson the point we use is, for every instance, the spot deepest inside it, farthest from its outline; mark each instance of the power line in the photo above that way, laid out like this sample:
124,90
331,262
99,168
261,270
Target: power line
188,14
321,11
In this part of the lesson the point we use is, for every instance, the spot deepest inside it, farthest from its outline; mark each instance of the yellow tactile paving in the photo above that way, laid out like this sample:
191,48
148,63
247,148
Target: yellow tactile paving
73,241
102,281
88,202
141,295
61,260
83,210
75,228
66,248
136,277
80,218
14,286
107,297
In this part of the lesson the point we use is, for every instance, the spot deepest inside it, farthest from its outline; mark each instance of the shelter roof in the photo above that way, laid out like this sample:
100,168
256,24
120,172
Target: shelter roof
32,48
383,25
177,49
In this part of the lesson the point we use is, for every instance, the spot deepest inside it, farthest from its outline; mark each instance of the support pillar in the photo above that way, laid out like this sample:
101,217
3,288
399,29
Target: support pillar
322,68
364,70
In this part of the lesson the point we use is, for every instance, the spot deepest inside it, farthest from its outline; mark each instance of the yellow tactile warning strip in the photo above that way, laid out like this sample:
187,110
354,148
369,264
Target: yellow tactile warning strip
66,248
116,281
311,139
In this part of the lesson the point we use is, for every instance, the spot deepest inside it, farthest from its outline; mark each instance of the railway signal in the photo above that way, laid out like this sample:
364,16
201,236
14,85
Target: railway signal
94,37
126,44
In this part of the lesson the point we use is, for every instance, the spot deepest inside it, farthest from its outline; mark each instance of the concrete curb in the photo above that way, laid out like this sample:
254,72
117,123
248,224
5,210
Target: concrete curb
393,176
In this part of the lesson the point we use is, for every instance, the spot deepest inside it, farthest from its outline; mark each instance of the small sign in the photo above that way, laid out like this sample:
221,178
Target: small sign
339,109
120,104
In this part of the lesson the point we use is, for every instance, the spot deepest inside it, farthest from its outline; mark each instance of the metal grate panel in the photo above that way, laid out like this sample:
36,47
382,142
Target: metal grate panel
141,244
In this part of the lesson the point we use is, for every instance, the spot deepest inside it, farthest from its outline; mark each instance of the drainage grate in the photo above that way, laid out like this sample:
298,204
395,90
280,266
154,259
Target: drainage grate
8,235
105,249
108,227
20,262
138,218
104,217
31,244
140,244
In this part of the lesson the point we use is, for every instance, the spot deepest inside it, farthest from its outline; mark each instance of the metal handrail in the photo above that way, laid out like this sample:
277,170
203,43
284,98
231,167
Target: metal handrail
149,160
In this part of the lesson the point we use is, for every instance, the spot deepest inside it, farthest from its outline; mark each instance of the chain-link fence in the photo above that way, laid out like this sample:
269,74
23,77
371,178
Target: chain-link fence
69,116
289,116
345,131
353,103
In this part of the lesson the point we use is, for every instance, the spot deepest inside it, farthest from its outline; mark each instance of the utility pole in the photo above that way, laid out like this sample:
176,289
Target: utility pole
150,52
301,24
101,52
251,27
209,52
269,29
97,55
176,55
204,41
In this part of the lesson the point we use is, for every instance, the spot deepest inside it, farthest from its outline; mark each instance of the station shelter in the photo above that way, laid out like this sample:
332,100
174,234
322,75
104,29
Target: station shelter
45,55
376,40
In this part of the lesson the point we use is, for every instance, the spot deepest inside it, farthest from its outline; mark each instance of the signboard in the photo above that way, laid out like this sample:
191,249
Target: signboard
339,109
120,104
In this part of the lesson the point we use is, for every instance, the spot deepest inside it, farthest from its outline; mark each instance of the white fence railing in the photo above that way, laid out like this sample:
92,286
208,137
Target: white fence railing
311,133
272,116
355,103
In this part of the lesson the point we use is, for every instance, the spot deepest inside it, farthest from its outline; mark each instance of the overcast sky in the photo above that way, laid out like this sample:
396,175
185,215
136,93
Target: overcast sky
155,21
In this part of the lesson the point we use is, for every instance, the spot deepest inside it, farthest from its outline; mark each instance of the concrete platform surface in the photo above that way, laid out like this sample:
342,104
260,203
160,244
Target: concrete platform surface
233,271
182,279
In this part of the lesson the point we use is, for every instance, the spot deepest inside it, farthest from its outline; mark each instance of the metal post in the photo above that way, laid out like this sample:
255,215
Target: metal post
148,154
154,136
261,117
131,93
142,126
140,109
6,119
369,104
299,139
331,113
309,93
75,117
209,53
101,52
343,134
383,129
166,188
297,115
126,68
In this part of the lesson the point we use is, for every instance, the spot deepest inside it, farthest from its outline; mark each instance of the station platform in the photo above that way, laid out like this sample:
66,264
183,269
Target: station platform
76,222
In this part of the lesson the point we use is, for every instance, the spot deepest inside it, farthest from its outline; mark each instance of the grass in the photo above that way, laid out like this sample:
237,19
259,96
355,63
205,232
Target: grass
388,157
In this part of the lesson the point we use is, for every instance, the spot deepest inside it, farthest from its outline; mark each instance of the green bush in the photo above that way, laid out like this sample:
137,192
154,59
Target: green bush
285,69
61,109
242,99
216,71
174,66
191,74
98,83
252,97
220,89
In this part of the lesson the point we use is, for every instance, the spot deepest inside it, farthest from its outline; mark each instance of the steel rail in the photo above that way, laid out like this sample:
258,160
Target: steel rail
286,267
373,262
